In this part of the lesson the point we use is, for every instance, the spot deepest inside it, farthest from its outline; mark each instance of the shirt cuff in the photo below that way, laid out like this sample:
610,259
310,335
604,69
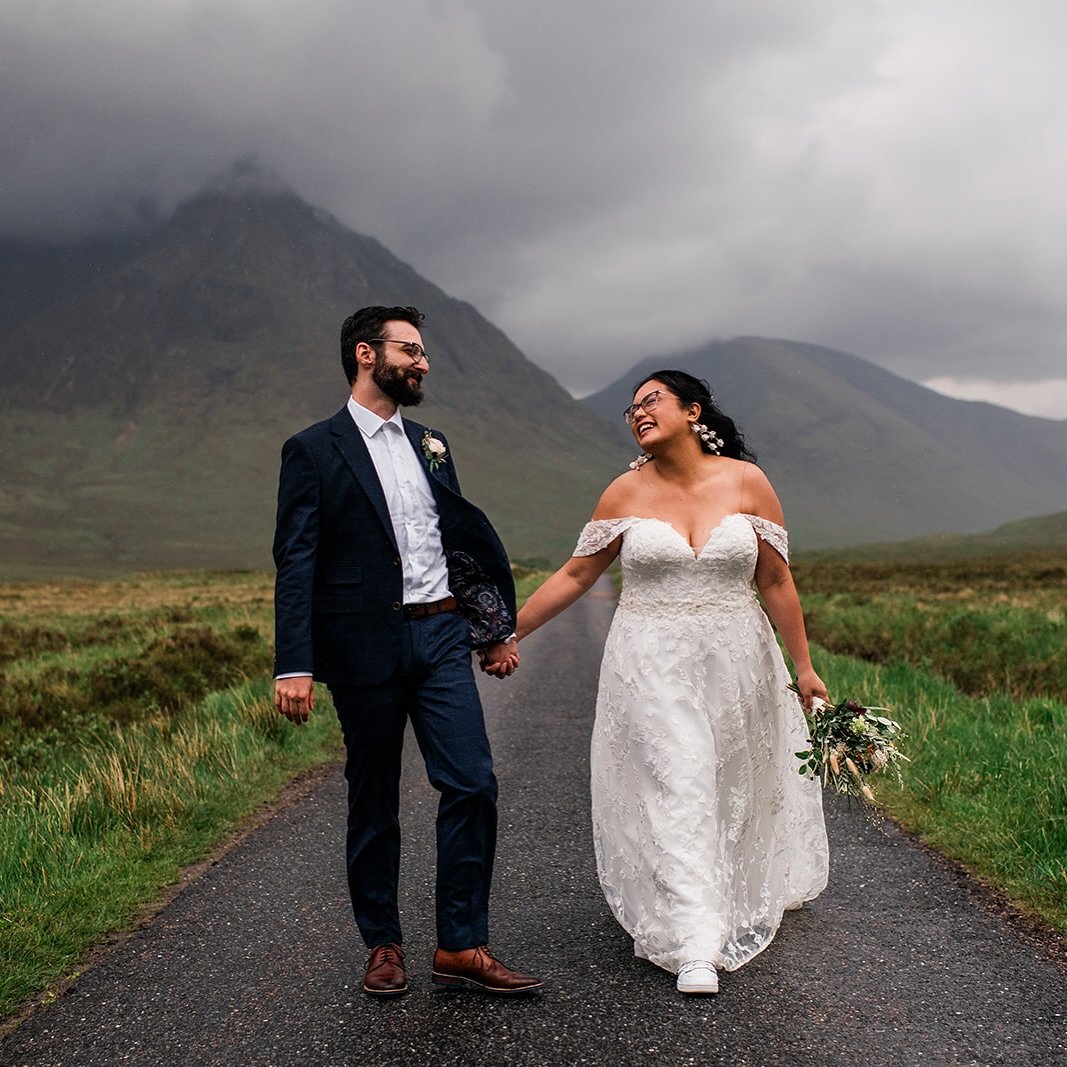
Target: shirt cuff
293,674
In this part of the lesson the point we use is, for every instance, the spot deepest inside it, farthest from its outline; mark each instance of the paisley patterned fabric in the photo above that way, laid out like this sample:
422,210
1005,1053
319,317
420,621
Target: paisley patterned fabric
478,601
704,831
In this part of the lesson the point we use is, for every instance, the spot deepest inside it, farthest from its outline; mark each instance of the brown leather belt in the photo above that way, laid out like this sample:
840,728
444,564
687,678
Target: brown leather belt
424,611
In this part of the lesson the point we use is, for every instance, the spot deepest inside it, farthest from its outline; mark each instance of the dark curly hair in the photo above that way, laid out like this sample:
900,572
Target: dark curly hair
691,390
366,325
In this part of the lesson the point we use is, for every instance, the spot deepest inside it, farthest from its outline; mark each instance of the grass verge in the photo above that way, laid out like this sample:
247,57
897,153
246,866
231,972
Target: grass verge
84,843
983,785
990,626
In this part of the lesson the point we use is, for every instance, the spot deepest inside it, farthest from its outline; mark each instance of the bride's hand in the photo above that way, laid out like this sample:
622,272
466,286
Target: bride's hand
811,686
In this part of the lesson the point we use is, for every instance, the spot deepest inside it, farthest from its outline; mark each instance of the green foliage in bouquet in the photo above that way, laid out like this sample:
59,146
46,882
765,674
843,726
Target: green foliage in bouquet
849,743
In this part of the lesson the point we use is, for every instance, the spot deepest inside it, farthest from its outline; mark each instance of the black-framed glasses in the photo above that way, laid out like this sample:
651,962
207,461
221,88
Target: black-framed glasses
412,349
647,403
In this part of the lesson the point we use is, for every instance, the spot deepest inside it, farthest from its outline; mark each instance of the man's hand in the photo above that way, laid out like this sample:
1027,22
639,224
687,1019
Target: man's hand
501,659
295,697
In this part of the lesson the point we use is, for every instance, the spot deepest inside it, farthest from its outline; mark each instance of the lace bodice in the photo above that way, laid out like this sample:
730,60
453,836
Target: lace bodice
663,575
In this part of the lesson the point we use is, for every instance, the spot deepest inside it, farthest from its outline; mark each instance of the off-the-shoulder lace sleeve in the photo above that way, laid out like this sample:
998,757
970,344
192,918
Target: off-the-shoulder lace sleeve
772,533
599,534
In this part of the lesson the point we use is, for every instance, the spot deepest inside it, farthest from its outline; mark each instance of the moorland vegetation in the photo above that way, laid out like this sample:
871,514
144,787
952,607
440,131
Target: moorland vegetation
137,730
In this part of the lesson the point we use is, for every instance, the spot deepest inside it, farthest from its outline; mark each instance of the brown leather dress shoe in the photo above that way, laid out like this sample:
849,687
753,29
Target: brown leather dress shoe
385,975
480,970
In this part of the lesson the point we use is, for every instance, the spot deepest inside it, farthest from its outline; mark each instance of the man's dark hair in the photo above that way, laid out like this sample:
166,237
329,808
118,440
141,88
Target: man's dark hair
366,325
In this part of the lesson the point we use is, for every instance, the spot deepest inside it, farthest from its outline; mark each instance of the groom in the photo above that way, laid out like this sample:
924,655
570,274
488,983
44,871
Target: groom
386,578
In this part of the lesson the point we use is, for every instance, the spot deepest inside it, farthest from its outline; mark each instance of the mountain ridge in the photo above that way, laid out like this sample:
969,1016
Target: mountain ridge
858,453
147,383
215,338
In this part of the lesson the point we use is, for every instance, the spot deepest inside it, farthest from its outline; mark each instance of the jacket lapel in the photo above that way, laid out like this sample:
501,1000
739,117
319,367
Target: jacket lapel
349,442
415,433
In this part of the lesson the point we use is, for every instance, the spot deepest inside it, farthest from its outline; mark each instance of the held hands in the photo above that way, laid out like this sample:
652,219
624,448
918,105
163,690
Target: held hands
500,660
295,698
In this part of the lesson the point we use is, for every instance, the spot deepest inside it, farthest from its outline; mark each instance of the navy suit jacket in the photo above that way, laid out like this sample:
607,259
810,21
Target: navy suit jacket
339,588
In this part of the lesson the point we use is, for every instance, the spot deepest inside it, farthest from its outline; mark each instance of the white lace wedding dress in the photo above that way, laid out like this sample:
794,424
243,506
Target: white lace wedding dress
704,830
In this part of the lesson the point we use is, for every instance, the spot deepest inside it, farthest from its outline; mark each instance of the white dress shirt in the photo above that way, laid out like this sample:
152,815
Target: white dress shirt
412,508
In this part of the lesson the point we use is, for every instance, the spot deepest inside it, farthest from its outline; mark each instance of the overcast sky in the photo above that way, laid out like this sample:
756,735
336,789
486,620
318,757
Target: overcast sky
604,179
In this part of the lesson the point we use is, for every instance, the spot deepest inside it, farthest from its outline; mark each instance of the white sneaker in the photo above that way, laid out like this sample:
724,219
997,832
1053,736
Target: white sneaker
698,976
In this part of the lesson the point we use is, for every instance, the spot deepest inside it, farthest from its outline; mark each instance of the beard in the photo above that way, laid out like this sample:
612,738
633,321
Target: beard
402,385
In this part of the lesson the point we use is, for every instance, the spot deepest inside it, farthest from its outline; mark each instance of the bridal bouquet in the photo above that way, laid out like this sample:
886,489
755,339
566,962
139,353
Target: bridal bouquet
849,743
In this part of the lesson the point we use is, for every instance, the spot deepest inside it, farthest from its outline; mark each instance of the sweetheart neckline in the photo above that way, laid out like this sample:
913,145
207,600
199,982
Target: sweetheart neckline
762,529
697,552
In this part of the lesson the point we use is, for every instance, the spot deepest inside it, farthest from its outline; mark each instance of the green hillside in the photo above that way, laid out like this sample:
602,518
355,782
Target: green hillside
144,405
1042,535
858,454
147,384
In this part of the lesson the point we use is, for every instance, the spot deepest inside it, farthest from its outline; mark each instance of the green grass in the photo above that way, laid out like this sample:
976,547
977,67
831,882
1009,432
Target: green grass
985,785
78,658
527,579
86,839
989,626
972,656
982,649
137,729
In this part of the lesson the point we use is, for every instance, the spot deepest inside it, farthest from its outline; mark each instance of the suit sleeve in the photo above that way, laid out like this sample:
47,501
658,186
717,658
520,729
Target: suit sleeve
296,538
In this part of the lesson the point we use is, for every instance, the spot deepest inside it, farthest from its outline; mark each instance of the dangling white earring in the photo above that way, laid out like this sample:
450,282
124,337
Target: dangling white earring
712,441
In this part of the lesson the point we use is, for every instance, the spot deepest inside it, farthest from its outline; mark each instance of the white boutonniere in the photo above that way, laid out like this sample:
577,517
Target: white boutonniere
433,448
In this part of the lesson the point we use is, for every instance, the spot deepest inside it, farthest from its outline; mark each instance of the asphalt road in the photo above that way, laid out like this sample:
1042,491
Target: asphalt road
901,961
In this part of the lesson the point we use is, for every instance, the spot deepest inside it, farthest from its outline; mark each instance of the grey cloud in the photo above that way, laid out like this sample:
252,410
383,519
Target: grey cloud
602,179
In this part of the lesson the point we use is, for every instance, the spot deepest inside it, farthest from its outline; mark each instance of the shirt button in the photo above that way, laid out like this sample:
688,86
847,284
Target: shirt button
396,561
396,605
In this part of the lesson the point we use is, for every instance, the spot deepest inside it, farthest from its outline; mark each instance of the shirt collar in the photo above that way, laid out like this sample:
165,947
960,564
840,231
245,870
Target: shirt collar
368,421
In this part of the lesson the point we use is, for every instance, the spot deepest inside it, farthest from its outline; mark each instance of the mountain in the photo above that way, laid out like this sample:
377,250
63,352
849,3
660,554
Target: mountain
146,386
858,454
1039,535
147,383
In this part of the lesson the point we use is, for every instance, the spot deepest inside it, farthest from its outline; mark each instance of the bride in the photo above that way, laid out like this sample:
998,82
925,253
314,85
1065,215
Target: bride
704,831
